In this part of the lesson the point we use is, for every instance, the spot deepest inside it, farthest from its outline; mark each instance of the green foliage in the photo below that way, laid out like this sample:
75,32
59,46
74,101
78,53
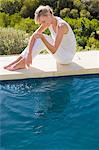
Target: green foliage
74,13
74,23
28,8
27,25
65,4
65,12
86,32
89,26
14,19
81,41
85,13
93,43
83,26
82,16
47,32
17,22
4,20
79,48
12,41
77,4
10,6
93,8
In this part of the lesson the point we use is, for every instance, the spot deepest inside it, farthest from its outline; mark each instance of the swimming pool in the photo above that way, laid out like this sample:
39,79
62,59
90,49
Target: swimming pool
50,114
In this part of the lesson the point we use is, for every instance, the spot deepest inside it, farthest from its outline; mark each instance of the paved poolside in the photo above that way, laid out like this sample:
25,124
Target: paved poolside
86,62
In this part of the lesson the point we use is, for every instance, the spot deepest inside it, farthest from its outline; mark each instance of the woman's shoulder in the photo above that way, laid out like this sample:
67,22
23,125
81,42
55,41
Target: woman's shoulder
60,21
63,23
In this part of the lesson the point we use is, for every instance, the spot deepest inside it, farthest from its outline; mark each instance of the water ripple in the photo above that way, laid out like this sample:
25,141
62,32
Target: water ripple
55,113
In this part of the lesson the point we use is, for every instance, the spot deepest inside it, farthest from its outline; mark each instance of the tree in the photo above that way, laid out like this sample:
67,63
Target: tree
10,6
92,7
28,8
65,4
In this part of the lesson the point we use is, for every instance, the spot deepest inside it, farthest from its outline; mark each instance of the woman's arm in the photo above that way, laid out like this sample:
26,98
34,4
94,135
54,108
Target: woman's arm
31,43
61,30
41,29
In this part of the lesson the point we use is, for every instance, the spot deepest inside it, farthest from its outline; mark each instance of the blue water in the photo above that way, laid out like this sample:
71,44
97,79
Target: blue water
50,114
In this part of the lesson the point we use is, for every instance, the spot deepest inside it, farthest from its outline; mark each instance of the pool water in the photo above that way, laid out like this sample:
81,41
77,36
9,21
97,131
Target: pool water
50,114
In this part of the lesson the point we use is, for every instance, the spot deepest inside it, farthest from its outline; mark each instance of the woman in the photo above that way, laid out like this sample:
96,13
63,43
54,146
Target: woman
61,44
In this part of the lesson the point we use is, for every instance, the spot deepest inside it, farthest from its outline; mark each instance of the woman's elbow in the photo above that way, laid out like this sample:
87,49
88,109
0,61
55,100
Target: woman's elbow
54,49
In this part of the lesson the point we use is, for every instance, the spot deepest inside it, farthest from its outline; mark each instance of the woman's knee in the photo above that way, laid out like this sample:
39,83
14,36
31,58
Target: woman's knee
38,45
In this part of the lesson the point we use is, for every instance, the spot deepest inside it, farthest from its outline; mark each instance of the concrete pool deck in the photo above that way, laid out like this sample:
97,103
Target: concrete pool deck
86,62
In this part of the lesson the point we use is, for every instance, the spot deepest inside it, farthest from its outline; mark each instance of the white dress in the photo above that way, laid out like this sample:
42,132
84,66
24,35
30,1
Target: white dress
66,50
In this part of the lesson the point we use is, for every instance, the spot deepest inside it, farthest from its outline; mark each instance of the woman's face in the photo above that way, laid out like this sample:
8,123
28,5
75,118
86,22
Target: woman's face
45,20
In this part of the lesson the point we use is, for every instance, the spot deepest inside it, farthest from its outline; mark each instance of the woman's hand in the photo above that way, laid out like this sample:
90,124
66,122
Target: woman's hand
29,59
38,35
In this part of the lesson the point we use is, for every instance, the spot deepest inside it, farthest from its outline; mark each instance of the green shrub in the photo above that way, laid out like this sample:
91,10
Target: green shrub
10,6
27,25
78,32
65,12
79,48
83,26
4,20
85,13
93,8
14,19
93,43
74,23
95,24
12,41
28,8
77,4
74,13
81,41
89,26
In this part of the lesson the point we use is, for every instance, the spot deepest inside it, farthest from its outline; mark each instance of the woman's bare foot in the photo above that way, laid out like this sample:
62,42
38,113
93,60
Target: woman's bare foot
19,65
14,62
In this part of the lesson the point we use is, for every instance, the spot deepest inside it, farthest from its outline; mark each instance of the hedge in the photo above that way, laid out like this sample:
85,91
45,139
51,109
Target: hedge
12,41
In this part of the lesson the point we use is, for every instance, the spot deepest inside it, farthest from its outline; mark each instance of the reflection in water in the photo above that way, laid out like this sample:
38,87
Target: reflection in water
50,113
46,95
36,103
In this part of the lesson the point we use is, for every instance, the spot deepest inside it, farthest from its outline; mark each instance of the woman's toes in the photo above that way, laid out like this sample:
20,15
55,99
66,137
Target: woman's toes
11,68
5,67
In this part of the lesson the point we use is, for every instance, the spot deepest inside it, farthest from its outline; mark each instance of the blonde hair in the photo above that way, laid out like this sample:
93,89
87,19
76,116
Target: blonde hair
42,11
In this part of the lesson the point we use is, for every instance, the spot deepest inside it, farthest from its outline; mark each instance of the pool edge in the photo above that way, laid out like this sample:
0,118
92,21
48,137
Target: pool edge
41,69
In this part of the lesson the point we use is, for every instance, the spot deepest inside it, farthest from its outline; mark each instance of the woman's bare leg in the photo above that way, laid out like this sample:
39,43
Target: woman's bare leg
23,61
18,59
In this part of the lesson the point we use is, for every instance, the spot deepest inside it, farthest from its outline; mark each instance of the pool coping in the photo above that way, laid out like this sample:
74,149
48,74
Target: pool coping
44,65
